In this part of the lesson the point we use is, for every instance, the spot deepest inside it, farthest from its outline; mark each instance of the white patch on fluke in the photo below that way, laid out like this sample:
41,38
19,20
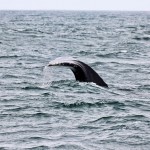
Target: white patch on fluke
61,60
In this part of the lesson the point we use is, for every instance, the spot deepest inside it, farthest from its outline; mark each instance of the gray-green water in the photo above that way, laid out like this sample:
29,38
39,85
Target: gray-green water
46,108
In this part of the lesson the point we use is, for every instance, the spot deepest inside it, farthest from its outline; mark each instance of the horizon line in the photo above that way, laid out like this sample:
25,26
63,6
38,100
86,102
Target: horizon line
72,10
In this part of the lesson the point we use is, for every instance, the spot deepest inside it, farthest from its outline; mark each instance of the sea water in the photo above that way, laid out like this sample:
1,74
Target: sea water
46,108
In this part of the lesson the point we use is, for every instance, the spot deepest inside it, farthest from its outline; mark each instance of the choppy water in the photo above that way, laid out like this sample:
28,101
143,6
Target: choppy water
46,108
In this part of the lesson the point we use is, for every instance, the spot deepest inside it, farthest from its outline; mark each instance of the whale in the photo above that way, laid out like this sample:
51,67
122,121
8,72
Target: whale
81,71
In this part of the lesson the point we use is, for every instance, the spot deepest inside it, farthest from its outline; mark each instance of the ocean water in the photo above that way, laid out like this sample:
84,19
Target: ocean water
44,108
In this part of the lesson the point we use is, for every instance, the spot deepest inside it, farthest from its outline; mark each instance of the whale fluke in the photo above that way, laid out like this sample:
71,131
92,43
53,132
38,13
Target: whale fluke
82,71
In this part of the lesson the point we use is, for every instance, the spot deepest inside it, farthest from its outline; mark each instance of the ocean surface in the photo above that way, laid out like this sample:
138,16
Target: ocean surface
44,108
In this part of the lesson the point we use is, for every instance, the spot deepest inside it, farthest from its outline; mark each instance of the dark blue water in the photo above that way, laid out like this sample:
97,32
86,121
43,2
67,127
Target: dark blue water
45,108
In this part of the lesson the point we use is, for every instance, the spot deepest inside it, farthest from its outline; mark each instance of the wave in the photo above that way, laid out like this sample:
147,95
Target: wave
106,118
9,56
38,147
32,88
87,104
142,38
70,146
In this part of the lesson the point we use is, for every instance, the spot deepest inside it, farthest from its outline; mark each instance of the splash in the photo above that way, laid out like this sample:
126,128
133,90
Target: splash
55,74
46,79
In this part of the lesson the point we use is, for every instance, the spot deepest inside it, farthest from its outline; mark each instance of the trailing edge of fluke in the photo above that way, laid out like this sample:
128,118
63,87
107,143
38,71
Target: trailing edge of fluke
82,71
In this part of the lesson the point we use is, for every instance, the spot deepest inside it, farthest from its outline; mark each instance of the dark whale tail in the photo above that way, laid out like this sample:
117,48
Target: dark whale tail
82,71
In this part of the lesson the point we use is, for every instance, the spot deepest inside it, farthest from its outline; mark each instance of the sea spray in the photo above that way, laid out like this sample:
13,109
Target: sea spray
46,77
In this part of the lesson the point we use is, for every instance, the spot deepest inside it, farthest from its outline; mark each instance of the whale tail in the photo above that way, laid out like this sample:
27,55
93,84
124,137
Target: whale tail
81,71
